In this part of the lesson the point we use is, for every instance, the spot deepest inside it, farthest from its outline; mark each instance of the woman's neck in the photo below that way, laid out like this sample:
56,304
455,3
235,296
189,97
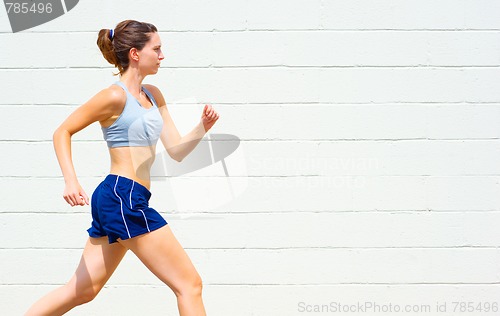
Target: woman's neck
133,80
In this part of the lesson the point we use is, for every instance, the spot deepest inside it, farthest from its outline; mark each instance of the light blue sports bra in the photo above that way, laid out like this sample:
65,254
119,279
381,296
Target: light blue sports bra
136,125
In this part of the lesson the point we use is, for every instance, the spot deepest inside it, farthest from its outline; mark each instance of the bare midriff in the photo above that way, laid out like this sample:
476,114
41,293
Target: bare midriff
133,163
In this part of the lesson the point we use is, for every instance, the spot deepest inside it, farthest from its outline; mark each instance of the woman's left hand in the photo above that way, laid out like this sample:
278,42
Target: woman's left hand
209,117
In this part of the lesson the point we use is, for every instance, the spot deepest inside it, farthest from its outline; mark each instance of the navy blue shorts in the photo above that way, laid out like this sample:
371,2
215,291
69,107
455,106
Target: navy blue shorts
120,209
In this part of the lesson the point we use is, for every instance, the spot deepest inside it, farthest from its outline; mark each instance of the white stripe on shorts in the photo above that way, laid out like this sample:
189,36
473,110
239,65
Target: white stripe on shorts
132,189
145,219
121,207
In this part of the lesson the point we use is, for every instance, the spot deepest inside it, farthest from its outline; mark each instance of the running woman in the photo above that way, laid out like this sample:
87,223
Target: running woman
133,116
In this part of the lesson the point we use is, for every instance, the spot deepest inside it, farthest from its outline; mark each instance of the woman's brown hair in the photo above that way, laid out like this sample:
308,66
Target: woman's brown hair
126,35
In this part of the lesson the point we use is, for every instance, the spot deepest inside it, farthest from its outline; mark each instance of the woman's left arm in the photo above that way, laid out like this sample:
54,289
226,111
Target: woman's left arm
179,147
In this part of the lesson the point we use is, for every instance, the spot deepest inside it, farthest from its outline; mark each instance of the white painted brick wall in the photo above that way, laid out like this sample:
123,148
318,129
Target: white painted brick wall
367,168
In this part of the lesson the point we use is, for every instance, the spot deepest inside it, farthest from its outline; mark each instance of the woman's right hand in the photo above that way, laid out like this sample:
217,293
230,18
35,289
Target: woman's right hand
75,195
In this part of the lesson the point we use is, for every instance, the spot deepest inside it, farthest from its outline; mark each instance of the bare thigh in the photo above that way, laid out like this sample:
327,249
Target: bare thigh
99,261
163,255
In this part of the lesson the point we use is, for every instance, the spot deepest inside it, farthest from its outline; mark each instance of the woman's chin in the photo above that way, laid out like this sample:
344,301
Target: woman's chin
154,71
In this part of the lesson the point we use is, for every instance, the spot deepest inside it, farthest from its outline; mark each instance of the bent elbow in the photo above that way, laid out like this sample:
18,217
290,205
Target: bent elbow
60,134
56,134
175,156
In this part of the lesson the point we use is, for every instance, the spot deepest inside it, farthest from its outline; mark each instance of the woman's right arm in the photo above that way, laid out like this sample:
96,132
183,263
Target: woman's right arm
100,107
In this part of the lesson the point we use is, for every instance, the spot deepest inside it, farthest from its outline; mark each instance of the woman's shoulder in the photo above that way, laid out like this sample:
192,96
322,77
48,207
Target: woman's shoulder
115,93
108,100
157,95
113,96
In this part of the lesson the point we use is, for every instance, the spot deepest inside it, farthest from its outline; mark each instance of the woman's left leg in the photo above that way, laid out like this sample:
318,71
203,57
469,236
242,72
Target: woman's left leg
163,255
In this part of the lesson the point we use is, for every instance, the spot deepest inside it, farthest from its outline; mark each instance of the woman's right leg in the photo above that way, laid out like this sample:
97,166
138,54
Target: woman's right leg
98,262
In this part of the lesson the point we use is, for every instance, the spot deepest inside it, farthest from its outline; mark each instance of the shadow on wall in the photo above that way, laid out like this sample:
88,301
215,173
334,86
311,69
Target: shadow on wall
216,170
217,148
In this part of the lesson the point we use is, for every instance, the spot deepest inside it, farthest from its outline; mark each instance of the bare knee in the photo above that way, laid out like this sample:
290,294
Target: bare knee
193,287
83,295
197,285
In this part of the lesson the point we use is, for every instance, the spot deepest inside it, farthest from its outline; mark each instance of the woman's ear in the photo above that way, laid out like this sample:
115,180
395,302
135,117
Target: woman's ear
134,54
